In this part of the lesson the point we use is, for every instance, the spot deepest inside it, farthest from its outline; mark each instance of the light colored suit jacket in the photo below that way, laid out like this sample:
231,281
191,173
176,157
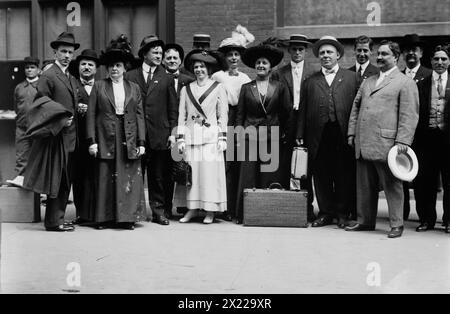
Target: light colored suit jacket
384,115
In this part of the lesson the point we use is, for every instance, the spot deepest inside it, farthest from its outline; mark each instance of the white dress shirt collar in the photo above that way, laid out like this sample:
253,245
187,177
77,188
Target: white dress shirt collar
362,66
335,69
297,65
444,76
413,70
63,69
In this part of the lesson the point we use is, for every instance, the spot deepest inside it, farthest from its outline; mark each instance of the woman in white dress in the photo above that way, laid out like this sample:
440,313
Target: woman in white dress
202,126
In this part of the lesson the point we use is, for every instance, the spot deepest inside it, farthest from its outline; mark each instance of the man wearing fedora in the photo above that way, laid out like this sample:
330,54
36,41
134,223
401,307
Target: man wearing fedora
61,87
86,64
412,49
363,51
292,76
432,142
24,94
161,115
325,106
384,114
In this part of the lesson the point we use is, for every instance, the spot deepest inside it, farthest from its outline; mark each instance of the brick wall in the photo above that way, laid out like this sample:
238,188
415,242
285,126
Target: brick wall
220,17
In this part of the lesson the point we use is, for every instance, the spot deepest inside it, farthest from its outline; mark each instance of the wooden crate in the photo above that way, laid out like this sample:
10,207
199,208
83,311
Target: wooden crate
275,208
19,205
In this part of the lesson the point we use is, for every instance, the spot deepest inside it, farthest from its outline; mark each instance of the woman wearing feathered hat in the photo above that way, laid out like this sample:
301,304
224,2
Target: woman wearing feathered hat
264,106
116,132
202,126
233,79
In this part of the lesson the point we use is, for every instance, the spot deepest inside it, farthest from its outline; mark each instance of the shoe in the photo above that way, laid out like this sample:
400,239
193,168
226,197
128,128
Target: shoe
359,227
227,217
78,221
17,182
161,220
168,215
424,227
342,223
68,223
61,228
127,225
100,227
192,213
239,221
396,233
447,229
209,219
322,222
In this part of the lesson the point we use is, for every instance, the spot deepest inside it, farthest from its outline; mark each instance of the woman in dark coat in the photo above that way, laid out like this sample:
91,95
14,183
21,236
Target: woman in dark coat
263,108
116,132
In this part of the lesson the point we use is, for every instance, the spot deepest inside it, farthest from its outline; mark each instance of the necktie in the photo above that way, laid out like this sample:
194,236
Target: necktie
297,71
329,72
439,85
360,73
232,74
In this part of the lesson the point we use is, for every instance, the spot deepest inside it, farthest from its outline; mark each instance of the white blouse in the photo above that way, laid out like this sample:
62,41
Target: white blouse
119,97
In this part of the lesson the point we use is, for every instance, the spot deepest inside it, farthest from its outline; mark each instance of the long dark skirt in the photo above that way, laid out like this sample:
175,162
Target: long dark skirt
119,185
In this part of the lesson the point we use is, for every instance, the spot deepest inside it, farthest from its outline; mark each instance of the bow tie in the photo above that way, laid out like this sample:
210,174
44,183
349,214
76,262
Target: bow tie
176,75
87,83
233,74
328,72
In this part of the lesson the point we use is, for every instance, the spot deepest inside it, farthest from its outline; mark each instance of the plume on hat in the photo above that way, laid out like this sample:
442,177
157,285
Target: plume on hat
276,42
239,37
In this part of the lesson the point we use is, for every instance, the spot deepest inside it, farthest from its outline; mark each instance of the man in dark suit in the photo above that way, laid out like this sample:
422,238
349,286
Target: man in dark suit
363,51
432,142
412,49
292,76
172,61
60,86
161,115
325,108
85,65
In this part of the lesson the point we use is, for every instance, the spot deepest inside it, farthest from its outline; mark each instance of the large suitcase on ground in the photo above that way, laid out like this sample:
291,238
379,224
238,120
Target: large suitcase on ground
275,208
19,206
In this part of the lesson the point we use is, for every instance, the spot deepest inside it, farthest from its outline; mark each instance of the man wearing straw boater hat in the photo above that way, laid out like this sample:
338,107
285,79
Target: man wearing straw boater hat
293,75
325,106
384,115
161,117
52,174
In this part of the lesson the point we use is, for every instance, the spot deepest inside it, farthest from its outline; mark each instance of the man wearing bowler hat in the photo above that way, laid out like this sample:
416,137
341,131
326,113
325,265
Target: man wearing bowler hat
86,65
60,86
293,75
161,116
385,114
412,48
432,142
325,106
24,94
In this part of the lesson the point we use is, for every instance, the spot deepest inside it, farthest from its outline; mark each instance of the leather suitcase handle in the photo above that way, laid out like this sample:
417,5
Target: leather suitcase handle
275,185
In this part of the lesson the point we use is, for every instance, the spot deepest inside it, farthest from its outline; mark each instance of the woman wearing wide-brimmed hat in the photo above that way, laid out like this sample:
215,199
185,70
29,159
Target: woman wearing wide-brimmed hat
264,105
202,126
233,79
116,131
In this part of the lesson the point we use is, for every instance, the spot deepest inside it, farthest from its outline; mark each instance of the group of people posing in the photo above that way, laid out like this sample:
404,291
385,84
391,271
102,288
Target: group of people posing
104,136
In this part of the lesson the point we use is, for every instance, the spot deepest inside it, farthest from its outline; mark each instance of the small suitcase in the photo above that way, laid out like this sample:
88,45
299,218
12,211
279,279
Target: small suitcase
299,163
275,208
19,206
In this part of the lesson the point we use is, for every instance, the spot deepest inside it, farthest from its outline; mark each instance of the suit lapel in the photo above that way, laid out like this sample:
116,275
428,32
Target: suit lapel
270,92
110,93
257,97
141,79
127,87
338,78
63,78
387,80
289,78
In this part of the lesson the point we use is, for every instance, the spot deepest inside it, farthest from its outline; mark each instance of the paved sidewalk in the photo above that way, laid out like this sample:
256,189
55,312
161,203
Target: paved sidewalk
224,258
